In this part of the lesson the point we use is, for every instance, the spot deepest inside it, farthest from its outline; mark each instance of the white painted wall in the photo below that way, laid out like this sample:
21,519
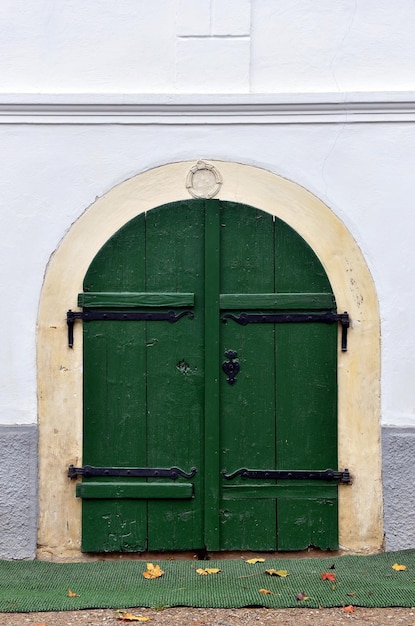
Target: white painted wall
51,173
206,46
340,45
363,172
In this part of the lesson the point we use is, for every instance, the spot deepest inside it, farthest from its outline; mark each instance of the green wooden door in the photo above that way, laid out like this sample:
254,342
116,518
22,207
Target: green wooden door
155,394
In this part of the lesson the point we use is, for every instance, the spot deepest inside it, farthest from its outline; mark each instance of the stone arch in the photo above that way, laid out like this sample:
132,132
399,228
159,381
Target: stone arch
60,368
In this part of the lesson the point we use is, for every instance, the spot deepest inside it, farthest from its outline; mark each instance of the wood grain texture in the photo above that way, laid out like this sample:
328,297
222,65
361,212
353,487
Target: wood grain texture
155,394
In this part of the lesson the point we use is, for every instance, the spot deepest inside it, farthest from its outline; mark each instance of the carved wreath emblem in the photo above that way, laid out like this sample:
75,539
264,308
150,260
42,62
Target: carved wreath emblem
203,180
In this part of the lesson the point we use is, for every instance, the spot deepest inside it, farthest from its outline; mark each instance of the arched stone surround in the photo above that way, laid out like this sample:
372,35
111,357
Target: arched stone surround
60,368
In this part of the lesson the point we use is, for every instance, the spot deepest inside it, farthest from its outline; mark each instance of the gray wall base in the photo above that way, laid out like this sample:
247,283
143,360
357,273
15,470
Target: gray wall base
18,492
398,460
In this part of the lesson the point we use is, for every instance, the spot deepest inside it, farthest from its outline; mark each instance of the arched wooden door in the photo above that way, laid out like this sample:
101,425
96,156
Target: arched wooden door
199,389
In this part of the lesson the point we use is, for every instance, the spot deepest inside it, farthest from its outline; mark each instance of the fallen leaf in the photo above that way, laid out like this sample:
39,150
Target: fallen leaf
153,571
351,594
399,568
328,576
265,591
208,570
348,609
129,617
282,573
213,570
301,596
255,561
332,566
71,594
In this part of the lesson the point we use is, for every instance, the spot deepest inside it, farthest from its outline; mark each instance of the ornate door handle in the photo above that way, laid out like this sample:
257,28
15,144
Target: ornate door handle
231,367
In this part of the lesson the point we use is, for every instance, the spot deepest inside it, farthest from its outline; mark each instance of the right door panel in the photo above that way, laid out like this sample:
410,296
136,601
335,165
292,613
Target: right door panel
281,413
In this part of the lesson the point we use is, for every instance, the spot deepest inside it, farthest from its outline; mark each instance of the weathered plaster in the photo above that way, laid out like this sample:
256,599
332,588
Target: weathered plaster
60,369
18,492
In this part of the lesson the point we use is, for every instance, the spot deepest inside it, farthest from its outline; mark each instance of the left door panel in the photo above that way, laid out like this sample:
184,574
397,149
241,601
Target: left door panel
143,388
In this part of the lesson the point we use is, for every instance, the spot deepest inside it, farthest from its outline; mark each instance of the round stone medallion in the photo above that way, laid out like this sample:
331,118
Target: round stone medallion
203,180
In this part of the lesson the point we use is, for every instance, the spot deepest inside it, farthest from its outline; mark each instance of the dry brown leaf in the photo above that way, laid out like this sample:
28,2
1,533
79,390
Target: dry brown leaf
301,596
348,609
255,561
71,594
399,568
265,591
153,571
282,573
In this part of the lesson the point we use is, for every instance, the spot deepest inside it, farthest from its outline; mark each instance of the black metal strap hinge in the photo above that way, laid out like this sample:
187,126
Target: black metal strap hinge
90,471
92,315
297,318
343,478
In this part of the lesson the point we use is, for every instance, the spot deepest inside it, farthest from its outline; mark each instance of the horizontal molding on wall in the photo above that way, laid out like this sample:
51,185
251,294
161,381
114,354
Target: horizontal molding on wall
174,109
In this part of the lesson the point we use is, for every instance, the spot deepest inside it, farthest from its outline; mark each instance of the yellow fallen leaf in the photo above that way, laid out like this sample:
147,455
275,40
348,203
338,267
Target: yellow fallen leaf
399,568
71,594
129,617
255,561
213,570
208,570
265,591
282,573
153,571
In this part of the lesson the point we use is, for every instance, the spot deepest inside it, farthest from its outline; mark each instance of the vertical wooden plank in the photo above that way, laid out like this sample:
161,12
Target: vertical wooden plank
212,359
113,373
307,430
175,371
248,406
114,396
306,399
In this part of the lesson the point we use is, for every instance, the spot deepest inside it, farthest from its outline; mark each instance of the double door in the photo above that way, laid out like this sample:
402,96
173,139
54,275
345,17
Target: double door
188,381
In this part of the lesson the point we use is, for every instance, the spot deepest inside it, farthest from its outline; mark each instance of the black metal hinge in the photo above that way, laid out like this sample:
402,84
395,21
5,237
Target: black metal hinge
343,478
90,471
92,315
297,318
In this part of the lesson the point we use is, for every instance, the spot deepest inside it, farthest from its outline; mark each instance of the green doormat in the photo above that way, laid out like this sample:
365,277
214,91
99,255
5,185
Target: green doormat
27,586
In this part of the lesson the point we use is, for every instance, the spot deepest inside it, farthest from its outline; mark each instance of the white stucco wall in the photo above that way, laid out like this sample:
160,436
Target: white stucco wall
363,172
208,46
51,173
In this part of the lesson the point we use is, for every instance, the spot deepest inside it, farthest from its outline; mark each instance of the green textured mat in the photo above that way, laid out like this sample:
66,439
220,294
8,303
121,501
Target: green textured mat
27,586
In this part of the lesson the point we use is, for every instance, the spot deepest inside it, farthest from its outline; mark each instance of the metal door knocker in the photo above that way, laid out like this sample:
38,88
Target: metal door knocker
231,367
